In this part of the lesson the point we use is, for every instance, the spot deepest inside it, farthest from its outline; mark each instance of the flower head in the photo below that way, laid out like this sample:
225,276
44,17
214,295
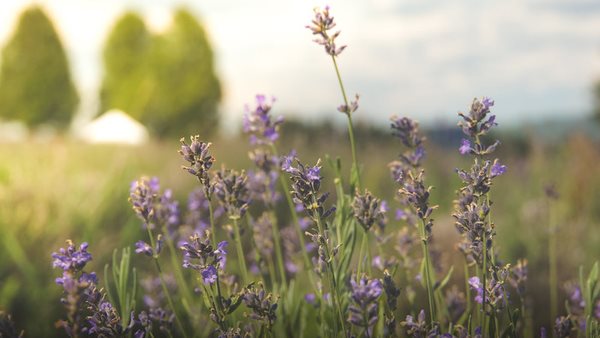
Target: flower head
197,155
322,24
363,309
71,258
232,192
258,123
368,210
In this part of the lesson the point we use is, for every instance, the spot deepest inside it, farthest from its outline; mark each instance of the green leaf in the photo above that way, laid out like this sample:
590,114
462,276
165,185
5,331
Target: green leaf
446,279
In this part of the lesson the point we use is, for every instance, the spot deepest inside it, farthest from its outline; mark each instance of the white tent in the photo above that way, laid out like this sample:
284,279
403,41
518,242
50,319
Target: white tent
114,126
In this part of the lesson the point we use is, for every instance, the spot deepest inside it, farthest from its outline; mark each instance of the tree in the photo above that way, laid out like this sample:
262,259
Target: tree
126,58
186,90
35,81
165,81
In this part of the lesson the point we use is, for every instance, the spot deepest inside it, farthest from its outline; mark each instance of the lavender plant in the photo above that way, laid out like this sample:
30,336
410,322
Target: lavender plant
323,287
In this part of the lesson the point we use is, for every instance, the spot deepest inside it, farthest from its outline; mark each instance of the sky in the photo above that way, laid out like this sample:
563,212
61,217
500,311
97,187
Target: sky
425,59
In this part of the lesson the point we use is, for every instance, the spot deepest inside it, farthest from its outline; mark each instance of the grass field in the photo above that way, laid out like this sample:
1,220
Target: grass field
53,191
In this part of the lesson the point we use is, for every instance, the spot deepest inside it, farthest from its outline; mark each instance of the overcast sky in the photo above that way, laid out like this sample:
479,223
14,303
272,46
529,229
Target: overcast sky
425,59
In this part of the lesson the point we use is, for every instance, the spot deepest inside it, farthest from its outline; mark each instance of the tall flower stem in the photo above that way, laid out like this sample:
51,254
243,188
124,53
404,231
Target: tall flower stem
332,280
163,284
240,250
181,281
278,250
429,286
295,220
212,220
553,271
350,126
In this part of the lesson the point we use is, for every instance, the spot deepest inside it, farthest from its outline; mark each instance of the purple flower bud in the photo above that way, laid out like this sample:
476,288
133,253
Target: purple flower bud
143,247
497,169
209,275
465,147
310,298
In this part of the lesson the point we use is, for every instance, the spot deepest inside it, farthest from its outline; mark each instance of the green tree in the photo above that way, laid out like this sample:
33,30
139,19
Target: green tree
127,83
186,88
35,81
166,81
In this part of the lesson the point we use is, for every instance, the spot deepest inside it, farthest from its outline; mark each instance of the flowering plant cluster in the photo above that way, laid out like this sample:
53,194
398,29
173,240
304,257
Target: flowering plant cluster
324,268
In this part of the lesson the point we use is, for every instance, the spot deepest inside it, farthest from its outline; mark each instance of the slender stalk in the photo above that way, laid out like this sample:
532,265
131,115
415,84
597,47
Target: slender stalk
212,220
484,285
296,221
553,271
350,127
177,266
360,257
278,250
240,250
425,246
163,284
332,279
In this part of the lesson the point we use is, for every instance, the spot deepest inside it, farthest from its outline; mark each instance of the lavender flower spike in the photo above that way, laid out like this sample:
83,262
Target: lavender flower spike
196,153
363,309
322,23
259,124
368,210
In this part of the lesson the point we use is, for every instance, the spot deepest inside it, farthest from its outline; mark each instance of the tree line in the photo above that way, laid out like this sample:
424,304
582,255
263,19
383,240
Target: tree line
164,80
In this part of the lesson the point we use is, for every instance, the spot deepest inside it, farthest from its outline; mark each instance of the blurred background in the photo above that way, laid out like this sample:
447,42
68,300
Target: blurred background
94,94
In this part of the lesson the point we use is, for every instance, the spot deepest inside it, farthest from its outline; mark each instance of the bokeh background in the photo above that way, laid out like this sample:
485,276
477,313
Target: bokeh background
166,69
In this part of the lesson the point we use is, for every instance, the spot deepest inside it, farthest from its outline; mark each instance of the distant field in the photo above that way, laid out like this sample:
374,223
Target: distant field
51,192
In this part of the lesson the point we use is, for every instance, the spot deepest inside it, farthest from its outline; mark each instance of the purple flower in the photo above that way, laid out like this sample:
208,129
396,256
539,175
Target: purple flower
416,328
232,192
310,298
221,254
209,275
197,155
497,169
476,285
465,147
367,210
262,304
258,123
143,247
306,182
363,309
407,130
321,25
351,108
72,258
487,102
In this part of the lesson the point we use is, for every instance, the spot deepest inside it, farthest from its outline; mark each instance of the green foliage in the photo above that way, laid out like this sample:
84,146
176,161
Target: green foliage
126,59
166,81
35,81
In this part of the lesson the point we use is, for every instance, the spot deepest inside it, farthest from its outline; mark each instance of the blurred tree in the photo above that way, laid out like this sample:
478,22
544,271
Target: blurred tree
35,81
126,58
166,81
186,89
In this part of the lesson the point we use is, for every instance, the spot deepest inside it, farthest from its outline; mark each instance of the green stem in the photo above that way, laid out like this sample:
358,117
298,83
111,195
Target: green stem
484,285
331,275
350,127
296,221
425,247
240,250
163,284
212,221
178,272
361,253
278,250
553,271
